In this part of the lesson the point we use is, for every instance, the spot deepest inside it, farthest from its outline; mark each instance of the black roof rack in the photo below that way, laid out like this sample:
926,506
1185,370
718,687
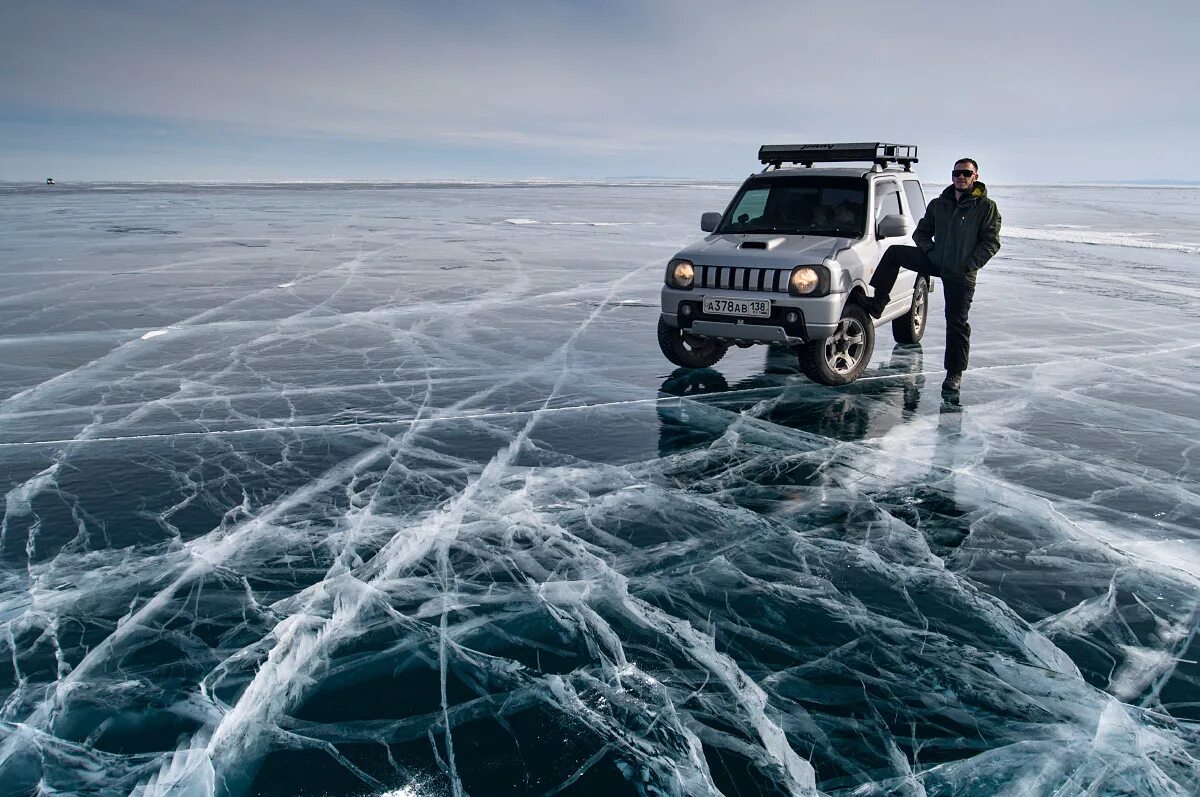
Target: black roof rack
807,154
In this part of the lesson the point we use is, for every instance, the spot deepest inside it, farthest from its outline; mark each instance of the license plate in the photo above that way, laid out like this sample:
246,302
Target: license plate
757,308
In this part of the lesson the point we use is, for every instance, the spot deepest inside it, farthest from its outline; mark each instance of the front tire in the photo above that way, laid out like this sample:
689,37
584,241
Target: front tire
842,357
688,350
910,327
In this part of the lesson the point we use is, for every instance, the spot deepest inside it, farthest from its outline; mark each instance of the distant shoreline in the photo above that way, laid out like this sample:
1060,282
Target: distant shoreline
622,182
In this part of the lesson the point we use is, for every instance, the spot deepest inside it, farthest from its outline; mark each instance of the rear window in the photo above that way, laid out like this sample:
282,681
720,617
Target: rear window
916,199
799,205
887,200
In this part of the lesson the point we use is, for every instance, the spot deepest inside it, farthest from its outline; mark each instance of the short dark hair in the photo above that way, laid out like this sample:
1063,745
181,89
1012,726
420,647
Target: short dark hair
971,161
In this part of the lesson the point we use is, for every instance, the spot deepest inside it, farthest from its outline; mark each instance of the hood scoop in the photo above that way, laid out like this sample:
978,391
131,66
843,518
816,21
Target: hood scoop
770,243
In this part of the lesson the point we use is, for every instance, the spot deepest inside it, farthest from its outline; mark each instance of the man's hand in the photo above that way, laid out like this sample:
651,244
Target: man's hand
989,240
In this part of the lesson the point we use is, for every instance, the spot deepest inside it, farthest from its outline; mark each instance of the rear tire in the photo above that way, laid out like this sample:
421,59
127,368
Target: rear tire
842,357
910,327
688,350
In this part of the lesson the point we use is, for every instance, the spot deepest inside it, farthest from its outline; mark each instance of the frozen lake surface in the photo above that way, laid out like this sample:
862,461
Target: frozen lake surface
387,490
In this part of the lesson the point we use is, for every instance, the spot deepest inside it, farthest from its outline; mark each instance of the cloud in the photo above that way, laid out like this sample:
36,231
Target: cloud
617,77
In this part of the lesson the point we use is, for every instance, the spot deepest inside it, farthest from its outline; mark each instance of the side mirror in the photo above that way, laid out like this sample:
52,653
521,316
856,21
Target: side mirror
709,221
894,226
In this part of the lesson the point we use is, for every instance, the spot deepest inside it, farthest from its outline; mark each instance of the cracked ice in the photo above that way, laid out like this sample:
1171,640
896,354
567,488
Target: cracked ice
387,490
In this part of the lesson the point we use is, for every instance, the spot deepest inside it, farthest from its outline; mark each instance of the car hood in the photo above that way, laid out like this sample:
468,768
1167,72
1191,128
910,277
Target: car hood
782,251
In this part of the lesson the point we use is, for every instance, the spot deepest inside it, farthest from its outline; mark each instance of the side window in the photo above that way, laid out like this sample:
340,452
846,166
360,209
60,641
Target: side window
887,200
916,199
750,206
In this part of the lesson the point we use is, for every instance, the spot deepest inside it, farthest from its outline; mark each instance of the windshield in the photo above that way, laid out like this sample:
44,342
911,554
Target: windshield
799,206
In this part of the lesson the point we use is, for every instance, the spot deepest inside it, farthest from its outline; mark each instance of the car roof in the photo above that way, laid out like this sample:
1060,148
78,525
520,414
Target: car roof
831,171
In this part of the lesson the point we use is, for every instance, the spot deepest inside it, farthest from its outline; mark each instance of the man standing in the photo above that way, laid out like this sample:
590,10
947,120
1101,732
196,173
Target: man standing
959,233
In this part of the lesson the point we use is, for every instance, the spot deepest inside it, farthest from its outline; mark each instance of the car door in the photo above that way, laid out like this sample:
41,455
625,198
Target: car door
888,203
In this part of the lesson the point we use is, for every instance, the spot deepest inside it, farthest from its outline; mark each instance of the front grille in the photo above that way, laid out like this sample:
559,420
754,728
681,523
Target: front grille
736,278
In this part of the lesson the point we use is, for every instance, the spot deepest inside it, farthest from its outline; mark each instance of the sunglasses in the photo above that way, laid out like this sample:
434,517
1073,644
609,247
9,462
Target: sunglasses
961,173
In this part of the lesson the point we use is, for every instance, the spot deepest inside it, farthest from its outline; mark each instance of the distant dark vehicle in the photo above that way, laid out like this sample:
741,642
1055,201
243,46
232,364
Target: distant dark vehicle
49,181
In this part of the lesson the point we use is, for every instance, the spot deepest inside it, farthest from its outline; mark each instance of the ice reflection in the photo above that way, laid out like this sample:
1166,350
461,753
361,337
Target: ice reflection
869,408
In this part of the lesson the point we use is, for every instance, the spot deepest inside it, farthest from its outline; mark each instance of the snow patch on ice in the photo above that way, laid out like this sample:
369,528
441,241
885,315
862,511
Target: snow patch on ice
1080,234
571,223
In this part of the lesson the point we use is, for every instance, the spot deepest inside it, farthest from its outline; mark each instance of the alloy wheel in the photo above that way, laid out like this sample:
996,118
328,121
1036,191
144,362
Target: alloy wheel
918,312
845,347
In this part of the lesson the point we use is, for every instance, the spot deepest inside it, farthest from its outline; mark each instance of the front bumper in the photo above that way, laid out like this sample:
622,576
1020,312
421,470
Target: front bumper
818,316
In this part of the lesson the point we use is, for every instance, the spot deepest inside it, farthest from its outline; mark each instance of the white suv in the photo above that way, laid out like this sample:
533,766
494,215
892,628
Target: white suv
789,259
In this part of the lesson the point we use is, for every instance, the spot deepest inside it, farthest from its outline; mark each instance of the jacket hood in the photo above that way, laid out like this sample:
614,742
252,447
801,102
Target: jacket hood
978,192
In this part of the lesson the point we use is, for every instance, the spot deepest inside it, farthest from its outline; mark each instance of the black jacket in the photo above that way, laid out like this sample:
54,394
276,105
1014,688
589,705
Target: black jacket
960,235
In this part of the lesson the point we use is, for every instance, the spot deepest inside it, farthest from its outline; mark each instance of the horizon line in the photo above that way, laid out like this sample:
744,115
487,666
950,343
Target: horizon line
1147,182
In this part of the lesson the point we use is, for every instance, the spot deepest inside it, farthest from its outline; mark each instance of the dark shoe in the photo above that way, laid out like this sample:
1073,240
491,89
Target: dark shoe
875,305
953,382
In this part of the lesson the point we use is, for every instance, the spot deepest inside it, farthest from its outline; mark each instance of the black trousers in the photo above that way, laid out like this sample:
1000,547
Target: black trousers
958,291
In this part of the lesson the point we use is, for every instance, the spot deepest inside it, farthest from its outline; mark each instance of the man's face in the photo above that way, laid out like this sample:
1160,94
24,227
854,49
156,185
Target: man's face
964,175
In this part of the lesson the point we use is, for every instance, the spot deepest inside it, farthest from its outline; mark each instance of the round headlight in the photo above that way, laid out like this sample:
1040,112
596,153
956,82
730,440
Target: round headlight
804,280
682,274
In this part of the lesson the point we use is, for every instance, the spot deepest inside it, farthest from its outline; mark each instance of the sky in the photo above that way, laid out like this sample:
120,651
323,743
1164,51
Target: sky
688,89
